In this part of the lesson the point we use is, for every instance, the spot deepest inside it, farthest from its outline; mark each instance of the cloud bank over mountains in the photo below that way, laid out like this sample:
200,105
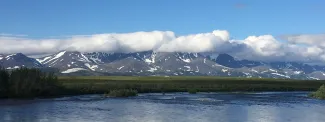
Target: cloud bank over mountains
304,48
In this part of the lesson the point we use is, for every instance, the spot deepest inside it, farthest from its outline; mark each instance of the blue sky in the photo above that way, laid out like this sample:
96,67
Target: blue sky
277,30
45,18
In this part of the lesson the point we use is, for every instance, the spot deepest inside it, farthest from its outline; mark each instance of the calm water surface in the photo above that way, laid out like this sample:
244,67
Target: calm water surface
174,107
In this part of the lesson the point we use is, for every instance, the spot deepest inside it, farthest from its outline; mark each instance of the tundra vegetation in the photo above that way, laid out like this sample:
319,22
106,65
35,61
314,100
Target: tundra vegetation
192,91
320,93
31,83
191,84
28,83
122,93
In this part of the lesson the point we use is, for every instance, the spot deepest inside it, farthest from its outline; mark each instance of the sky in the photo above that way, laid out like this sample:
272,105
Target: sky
250,29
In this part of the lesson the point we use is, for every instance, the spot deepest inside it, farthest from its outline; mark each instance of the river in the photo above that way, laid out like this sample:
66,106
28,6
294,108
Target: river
171,107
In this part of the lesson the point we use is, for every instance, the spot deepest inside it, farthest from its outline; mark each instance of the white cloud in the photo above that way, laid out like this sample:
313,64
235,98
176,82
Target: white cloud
113,42
264,47
307,39
313,51
203,42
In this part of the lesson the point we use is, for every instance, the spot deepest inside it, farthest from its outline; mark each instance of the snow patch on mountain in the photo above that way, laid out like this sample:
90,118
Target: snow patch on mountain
153,56
84,58
151,59
120,67
50,58
179,63
253,70
195,55
152,69
148,61
15,67
188,68
96,60
8,56
265,71
186,60
297,72
281,75
224,70
273,70
314,78
218,65
73,70
93,67
246,73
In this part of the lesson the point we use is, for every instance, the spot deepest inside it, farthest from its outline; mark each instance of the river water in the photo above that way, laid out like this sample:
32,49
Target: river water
171,107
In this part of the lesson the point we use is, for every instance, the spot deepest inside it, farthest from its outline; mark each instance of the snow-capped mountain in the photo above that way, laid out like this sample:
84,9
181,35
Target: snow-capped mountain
18,60
163,63
229,61
68,61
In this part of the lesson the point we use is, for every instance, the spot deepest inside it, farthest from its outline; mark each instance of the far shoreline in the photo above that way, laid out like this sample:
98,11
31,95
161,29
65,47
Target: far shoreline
31,100
123,86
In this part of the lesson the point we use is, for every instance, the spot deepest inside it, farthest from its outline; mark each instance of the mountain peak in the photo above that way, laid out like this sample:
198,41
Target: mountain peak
163,63
67,60
14,56
225,56
19,54
18,60
228,61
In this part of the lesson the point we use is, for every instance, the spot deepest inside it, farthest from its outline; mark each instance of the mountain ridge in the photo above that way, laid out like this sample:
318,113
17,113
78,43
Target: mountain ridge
163,64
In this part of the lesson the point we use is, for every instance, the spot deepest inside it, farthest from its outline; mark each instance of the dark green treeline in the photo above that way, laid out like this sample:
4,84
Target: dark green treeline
28,83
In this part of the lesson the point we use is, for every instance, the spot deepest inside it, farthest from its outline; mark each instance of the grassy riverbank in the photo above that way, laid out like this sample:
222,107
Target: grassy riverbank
319,94
104,84
30,83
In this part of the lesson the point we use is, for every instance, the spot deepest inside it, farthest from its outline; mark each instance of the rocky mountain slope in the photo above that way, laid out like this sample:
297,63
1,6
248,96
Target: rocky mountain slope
18,60
163,64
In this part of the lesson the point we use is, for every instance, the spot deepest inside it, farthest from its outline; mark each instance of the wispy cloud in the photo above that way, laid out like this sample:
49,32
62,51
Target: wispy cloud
308,39
12,35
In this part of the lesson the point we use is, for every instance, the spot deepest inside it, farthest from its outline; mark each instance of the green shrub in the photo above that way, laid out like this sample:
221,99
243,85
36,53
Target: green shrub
28,83
192,91
122,93
319,94
4,82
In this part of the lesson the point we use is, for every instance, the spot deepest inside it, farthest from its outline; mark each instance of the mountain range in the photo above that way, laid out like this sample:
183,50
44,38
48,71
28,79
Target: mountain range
151,63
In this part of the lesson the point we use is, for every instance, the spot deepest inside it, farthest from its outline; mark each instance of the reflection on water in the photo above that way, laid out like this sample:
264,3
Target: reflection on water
180,107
